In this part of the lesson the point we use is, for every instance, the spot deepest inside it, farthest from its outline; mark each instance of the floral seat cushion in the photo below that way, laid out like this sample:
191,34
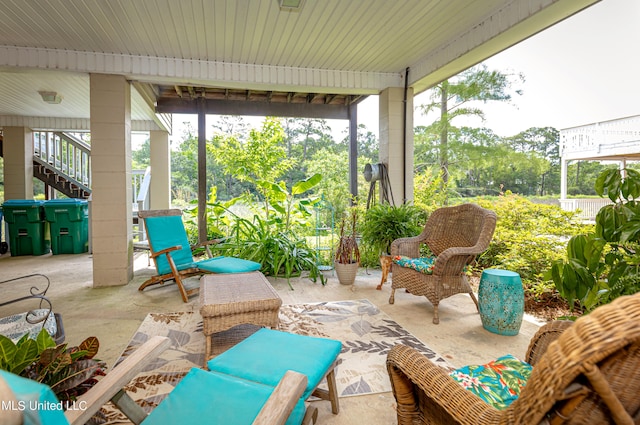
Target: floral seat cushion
14,327
498,383
422,264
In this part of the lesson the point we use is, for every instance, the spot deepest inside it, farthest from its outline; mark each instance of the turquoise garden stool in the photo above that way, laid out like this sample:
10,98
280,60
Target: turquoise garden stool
501,301
266,356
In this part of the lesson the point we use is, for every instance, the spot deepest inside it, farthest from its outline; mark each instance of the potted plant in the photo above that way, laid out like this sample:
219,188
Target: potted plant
69,371
347,259
384,223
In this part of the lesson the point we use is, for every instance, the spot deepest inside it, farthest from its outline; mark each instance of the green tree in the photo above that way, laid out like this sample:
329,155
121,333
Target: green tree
544,141
334,186
141,157
455,97
261,158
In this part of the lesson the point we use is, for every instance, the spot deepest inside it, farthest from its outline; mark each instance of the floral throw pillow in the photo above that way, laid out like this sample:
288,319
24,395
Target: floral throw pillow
498,382
423,264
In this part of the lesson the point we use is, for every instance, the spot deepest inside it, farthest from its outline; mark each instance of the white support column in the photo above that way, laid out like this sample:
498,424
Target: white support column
17,149
160,170
396,150
563,178
111,221
623,168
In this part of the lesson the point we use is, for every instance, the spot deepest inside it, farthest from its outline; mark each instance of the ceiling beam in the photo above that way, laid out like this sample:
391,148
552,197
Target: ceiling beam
237,107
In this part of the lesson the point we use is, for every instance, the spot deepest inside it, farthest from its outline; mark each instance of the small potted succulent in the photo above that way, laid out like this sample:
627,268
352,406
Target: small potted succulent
347,259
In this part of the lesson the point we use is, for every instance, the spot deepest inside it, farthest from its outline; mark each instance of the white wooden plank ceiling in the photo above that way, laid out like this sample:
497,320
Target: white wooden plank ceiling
329,46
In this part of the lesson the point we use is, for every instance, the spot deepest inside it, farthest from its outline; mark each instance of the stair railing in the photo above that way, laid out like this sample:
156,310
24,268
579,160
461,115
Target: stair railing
66,154
141,180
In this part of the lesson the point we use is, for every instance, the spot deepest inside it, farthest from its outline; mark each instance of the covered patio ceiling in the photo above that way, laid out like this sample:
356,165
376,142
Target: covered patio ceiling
328,52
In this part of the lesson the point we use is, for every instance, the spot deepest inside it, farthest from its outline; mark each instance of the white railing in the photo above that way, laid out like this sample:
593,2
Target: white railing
141,180
587,208
65,153
602,138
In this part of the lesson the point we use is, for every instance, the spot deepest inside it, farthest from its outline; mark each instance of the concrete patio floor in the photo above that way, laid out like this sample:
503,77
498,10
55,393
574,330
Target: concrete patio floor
114,313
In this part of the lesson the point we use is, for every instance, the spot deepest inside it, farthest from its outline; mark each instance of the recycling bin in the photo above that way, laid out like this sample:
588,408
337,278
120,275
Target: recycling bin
69,225
27,228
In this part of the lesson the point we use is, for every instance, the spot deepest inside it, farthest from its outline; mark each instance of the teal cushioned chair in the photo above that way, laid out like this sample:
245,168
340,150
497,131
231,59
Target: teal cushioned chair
172,255
200,397
266,356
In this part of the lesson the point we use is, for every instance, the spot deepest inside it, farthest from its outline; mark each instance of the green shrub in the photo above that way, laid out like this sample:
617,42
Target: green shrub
529,237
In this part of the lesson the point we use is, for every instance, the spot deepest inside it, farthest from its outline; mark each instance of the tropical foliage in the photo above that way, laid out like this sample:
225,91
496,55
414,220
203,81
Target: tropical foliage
604,264
69,371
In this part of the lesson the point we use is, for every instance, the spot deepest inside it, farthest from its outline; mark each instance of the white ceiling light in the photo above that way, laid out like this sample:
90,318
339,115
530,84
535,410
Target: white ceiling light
290,5
50,97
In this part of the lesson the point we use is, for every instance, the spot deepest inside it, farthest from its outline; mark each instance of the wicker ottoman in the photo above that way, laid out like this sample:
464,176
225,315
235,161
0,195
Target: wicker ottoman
228,300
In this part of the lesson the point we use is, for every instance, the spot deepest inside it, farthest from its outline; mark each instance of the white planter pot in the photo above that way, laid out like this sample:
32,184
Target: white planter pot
346,272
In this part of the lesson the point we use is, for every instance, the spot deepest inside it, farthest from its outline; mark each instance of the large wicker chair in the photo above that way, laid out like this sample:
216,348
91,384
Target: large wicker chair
590,374
455,235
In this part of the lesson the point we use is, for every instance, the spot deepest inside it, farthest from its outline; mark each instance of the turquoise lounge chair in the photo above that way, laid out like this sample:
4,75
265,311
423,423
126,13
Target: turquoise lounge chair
172,254
200,397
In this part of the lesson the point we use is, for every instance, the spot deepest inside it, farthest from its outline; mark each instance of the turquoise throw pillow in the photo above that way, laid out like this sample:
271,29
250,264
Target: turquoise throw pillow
498,383
423,264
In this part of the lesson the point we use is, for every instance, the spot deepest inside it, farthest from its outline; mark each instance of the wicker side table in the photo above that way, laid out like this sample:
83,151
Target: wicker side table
228,300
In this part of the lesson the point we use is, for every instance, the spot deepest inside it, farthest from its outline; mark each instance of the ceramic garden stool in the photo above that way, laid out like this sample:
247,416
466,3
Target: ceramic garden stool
266,356
501,301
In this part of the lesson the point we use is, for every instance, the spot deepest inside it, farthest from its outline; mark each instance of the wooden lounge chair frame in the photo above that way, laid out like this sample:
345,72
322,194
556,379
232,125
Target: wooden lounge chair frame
176,274
275,411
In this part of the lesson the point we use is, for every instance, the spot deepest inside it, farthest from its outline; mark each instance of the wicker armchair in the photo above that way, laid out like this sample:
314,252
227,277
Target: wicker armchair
455,235
590,374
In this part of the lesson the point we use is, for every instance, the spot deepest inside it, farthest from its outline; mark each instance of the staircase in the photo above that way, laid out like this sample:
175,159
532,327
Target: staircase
61,161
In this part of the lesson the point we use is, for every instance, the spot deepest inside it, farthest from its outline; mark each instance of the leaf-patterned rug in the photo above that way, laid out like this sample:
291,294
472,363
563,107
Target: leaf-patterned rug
367,335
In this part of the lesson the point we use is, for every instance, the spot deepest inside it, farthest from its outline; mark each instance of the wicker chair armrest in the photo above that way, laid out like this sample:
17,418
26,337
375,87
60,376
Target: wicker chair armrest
409,247
543,337
452,261
443,400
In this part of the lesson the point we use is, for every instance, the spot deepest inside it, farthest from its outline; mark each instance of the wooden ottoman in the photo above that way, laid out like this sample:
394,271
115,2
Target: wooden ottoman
228,300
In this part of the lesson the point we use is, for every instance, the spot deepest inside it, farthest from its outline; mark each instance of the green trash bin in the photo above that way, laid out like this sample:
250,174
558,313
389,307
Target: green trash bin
69,222
28,231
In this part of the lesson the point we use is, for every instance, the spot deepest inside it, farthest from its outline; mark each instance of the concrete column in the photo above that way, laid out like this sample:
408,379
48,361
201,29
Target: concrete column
396,141
112,216
160,170
17,147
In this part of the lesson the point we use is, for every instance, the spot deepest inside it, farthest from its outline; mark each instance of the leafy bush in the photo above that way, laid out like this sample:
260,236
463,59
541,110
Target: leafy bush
529,237
281,253
69,371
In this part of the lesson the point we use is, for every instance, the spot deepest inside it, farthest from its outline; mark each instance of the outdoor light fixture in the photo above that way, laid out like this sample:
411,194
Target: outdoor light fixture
50,97
290,5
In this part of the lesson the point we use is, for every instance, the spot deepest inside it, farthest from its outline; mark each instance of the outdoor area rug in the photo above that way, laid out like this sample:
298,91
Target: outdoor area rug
367,335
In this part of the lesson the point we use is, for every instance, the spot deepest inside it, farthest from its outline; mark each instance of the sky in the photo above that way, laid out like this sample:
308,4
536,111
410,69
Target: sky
583,70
